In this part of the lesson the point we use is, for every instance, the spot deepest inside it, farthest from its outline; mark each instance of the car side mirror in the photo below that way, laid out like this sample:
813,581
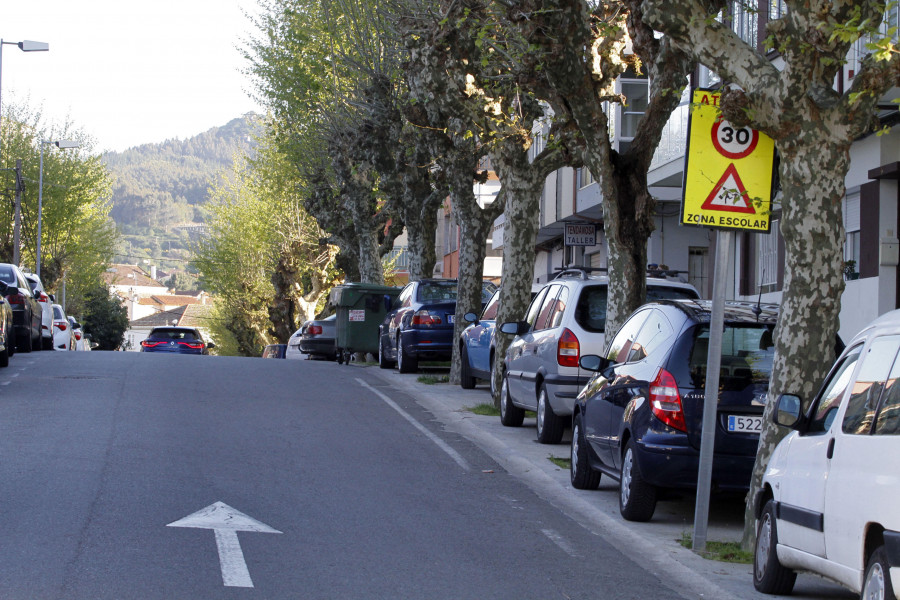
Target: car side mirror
52,298
470,318
592,362
210,345
515,327
787,410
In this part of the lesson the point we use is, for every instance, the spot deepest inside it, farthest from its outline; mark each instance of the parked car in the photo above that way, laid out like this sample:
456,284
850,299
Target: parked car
317,338
419,324
62,330
828,498
292,352
174,339
639,418
274,351
478,341
77,333
564,322
46,302
7,345
27,312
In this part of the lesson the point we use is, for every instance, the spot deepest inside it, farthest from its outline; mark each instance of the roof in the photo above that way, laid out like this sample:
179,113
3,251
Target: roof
130,276
161,318
170,300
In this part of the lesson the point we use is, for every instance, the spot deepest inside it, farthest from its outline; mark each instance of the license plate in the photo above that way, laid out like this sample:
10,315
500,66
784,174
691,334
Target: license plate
744,424
450,319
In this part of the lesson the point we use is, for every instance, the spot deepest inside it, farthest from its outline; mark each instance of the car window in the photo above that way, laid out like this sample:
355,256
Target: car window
621,345
559,309
490,311
590,311
436,291
405,297
487,290
8,275
747,356
543,319
655,331
665,292
870,381
535,306
57,313
887,422
826,406
174,334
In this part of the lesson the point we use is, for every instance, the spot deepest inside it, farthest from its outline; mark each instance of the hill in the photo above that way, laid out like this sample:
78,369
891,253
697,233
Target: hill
161,190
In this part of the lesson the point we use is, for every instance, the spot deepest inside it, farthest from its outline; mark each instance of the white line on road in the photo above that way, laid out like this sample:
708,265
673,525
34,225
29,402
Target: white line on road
440,443
231,560
560,541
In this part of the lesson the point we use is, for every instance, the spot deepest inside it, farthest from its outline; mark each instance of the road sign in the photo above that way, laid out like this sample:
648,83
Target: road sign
226,522
729,173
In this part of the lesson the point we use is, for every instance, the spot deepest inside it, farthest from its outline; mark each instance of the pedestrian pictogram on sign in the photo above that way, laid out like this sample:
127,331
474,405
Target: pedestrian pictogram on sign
729,195
729,172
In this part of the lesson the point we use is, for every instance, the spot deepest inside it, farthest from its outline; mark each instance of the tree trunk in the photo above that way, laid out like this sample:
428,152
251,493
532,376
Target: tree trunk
420,232
812,178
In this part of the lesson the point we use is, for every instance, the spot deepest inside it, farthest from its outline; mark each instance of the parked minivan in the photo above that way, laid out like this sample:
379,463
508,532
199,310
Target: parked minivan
828,499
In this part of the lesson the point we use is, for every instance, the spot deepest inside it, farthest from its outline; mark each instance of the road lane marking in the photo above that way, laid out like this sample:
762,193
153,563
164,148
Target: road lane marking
438,441
560,541
226,522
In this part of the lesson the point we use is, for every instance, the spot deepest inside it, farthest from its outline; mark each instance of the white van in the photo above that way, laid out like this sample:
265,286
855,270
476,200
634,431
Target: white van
828,500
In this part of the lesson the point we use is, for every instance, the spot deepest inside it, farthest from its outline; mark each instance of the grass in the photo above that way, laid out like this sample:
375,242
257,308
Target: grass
433,379
721,551
563,463
485,409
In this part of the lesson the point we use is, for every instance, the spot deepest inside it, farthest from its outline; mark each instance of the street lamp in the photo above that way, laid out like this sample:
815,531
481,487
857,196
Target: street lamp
63,144
24,46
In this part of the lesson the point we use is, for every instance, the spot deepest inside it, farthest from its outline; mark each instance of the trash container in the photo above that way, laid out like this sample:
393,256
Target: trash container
360,309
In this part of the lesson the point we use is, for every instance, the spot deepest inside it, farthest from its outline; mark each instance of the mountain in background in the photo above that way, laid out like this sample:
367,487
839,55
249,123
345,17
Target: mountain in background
160,191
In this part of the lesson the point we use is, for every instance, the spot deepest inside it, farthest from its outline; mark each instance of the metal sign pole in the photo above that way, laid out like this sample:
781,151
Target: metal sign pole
724,240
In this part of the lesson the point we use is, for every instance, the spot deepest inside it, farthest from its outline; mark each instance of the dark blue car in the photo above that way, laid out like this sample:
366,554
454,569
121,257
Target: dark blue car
476,345
176,340
638,419
419,324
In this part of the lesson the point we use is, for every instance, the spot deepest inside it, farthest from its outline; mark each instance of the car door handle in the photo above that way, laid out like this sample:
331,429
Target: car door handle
830,452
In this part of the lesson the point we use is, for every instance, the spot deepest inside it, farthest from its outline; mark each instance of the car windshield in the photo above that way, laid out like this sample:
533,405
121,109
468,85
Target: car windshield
173,334
747,356
664,292
57,313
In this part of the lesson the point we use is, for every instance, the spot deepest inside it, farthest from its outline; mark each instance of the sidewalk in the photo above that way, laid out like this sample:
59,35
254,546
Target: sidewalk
654,544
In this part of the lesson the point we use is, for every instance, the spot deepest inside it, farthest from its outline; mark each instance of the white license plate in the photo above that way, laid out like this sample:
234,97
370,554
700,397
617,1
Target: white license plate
450,319
744,424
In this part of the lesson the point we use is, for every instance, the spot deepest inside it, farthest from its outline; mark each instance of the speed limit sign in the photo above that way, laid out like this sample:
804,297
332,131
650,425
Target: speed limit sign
728,176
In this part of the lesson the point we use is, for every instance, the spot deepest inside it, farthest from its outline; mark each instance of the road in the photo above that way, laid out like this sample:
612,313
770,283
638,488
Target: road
127,475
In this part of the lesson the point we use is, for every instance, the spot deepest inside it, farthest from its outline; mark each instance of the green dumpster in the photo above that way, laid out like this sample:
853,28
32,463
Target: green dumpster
360,309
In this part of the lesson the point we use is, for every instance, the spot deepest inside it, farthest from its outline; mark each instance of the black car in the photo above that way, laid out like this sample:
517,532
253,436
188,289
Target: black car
419,324
638,419
26,310
177,340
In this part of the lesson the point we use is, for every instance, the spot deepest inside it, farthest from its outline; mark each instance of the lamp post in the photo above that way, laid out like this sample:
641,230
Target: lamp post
24,46
59,144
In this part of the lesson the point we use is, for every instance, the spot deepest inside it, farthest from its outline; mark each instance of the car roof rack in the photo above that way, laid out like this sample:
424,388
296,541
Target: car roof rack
581,272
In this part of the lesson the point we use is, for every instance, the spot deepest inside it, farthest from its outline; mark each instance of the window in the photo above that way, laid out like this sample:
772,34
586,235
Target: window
587,178
852,227
590,312
655,331
535,306
888,420
621,346
745,20
547,308
748,354
637,93
437,291
490,311
777,9
767,260
560,308
829,400
866,391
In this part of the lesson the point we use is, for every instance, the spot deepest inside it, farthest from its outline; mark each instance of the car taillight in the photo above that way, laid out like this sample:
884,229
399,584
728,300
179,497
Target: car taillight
665,401
43,297
16,299
423,317
193,345
61,325
77,335
568,350
314,330
150,344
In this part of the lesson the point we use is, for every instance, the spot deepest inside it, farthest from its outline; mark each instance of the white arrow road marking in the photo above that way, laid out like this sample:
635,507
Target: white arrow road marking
226,522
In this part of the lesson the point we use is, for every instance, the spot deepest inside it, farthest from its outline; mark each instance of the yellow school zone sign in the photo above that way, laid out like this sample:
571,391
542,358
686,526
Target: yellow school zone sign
729,172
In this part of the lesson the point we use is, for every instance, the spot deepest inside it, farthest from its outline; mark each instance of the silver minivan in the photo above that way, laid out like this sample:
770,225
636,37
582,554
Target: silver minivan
565,321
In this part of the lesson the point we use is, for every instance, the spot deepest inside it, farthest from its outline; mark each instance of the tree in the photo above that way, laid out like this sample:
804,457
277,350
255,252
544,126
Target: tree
813,126
104,317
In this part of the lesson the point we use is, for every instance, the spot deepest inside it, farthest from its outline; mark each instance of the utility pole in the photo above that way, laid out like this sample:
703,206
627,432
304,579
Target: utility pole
18,220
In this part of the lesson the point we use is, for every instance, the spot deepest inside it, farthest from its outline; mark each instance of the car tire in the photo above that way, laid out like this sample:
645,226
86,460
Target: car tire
493,385
4,357
405,363
510,414
47,343
581,474
466,379
25,345
550,427
769,576
383,362
637,498
37,343
877,584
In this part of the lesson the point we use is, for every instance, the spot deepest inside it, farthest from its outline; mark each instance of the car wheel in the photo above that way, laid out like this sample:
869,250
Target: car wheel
4,357
383,362
637,498
466,379
769,576
340,356
47,343
25,345
550,427
510,414
582,475
493,384
405,363
877,585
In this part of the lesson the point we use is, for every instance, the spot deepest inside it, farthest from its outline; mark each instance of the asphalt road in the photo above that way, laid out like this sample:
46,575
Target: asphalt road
311,480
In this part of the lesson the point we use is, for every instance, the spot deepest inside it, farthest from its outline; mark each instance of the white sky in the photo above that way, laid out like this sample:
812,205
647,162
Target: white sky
126,72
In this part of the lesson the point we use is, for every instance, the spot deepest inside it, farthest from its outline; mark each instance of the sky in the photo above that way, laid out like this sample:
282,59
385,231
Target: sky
129,73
